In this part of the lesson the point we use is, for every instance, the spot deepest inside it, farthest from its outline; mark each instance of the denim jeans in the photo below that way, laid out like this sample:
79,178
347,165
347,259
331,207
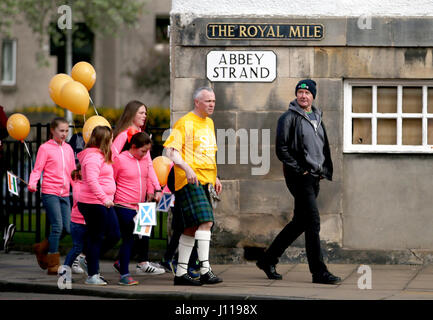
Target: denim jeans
126,224
58,211
79,238
102,230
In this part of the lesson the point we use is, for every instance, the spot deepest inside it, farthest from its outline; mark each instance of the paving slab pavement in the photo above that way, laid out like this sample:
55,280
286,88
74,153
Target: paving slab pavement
19,272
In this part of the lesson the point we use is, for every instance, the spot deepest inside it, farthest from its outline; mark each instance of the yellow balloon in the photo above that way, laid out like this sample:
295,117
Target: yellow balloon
56,84
162,166
85,73
18,126
91,123
75,97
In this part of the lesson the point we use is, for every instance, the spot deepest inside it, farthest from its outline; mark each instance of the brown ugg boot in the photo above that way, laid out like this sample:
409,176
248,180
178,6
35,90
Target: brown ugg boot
41,250
53,263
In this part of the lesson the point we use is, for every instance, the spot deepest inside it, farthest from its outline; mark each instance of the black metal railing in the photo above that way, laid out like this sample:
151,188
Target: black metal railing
25,210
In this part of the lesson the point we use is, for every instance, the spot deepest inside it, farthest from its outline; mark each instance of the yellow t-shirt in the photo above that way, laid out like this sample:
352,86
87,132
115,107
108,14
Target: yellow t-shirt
194,138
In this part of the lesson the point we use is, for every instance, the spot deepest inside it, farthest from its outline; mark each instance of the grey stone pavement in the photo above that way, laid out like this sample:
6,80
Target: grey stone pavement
19,272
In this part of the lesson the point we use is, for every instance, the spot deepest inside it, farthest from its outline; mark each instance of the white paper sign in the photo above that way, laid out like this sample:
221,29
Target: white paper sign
241,66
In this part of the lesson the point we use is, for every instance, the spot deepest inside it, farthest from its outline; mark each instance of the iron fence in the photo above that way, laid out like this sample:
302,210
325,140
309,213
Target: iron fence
26,210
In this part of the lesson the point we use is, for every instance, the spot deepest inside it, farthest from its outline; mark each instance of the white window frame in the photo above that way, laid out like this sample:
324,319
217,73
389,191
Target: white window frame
348,147
14,63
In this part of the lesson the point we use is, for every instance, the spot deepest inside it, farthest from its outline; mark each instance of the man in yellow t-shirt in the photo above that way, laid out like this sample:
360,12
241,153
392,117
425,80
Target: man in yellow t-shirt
192,147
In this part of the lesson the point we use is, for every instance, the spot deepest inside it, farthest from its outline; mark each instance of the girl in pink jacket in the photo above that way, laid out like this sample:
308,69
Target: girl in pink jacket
78,226
131,172
95,200
55,161
133,120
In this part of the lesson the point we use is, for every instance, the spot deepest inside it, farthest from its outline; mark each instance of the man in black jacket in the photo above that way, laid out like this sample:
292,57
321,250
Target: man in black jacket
302,145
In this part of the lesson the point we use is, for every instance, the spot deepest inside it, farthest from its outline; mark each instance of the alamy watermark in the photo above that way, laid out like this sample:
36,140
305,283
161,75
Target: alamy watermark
365,22
251,150
65,277
365,281
65,20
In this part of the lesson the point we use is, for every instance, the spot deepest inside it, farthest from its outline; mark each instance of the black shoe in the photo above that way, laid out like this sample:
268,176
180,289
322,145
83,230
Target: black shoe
186,280
10,231
326,278
210,278
270,270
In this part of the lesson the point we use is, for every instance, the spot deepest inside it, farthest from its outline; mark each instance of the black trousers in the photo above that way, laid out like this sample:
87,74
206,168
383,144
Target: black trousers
306,218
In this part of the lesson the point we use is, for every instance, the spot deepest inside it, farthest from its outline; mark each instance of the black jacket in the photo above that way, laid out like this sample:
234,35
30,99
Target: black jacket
289,145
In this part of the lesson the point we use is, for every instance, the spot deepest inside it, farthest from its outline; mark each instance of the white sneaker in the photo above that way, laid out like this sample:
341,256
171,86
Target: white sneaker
76,268
96,280
149,268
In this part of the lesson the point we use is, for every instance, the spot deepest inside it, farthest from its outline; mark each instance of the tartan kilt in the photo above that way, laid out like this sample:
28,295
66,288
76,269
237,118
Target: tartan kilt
194,206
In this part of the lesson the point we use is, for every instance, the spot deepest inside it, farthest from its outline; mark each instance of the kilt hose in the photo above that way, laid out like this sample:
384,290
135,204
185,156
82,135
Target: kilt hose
194,206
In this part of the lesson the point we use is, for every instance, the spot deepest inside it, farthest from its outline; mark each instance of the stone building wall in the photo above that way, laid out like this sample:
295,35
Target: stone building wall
368,206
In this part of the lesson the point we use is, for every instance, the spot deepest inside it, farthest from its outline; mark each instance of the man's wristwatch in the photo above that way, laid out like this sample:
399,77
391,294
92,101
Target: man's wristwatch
158,191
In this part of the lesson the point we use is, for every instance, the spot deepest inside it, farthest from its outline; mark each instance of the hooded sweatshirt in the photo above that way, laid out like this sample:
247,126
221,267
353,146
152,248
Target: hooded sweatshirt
313,137
98,184
116,149
56,162
76,215
132,178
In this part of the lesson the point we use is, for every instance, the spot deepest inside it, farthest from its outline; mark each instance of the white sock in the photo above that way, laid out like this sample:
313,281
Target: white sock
186,243
203,243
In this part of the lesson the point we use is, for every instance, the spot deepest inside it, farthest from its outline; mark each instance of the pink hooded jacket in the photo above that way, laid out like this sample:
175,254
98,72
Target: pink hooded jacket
56,162
116,149
133,180
98,184
76,215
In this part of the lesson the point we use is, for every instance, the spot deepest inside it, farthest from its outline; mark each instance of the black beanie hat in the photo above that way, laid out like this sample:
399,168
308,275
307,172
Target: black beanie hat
307,84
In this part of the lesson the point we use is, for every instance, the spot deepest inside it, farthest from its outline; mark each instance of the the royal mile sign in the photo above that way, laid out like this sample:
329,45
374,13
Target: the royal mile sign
265,31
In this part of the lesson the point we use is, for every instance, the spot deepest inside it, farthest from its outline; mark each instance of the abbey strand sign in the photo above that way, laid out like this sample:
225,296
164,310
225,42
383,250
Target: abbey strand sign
241,66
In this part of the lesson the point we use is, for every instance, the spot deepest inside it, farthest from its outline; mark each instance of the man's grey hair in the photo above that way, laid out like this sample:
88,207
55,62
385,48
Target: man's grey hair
199,90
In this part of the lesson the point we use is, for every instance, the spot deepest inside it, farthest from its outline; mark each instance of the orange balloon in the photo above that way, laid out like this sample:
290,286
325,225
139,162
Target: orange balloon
162,166
56,84
18,126
75,97
91,123
85,73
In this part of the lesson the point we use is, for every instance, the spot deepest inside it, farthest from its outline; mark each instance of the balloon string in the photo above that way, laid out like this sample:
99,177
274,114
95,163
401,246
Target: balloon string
28,152
94,107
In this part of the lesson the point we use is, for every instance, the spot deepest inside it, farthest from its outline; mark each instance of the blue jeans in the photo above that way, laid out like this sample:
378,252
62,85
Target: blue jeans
79,238
58,211
102,230
126,224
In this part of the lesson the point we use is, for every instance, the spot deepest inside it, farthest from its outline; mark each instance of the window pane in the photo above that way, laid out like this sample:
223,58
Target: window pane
7,61
430,101
387,99
430,131
412,132
361,131
361,100
412,100
387,131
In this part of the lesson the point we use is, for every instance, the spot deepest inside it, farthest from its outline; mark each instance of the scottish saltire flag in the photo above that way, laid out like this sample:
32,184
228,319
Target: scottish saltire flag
12,183
147,213
165,202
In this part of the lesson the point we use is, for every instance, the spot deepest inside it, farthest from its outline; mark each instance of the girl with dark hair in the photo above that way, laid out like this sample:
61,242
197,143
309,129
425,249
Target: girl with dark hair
131,172
133,120
95,200
78,226
55,161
